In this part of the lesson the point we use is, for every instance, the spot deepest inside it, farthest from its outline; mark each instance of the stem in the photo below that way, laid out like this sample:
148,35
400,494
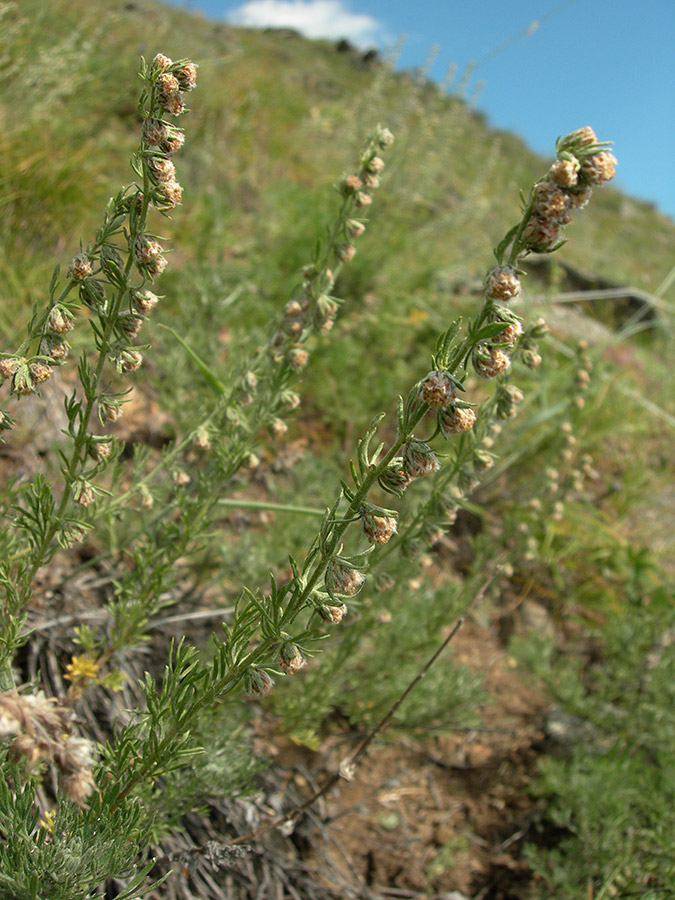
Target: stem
275,507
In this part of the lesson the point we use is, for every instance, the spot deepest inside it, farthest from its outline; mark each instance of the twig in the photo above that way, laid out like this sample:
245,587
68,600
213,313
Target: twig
347,766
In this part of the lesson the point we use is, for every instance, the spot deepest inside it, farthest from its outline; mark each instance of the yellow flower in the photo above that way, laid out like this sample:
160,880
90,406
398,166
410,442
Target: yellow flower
47,821
82,668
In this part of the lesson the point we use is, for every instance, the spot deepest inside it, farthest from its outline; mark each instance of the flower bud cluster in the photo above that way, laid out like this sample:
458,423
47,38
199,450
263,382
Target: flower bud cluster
439,390
314,306
581,164
41,732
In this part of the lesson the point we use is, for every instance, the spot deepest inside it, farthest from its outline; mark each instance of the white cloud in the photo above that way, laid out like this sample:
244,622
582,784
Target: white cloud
313,18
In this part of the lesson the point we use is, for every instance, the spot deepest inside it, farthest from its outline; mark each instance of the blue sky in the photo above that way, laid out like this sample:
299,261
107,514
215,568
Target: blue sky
542,67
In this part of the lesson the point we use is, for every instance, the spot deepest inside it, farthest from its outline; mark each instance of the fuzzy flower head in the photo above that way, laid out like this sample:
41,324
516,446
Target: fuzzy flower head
60,321
437,388
456,419
80,267
186,75
168,194
541,235
378,528
503,284
162,63
419,459
490,362
291,658
395,478
144,300
599,168
258,681
550,201
578,141
155,131
332,614
342,579
565,172
161,170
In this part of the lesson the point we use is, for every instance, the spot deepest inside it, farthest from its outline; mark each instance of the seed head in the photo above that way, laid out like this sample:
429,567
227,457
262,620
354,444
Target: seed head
22,383
395,478
455,419
437,388
80,267
578,199
56,350
508,396
355,228
131,325
201,440
167,85
531,358
101,450
385,138
376,165
482,460
363,199
510,334
173,142
173,104
147,249
351,184
575,141
503,284
83,493
109,411
371,181
147,500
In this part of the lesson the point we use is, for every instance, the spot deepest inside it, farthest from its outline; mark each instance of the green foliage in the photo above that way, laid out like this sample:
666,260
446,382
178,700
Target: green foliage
613,797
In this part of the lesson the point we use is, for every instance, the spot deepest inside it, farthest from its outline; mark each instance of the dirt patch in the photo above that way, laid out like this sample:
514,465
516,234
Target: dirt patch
439,813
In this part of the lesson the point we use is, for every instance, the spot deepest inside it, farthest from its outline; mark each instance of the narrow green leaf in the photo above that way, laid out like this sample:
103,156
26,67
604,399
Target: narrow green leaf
214,383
